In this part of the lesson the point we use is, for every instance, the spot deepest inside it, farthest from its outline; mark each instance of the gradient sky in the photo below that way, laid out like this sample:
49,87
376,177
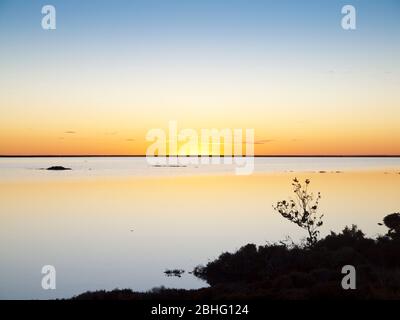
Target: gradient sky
112,70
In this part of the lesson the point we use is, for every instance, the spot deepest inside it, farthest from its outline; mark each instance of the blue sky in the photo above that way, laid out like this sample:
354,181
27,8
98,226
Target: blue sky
227,22
218,29
151,61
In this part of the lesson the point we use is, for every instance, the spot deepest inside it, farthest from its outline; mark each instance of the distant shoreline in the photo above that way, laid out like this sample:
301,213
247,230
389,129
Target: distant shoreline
143,156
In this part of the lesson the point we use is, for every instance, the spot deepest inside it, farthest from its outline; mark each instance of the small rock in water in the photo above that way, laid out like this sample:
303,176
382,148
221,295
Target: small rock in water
58,168
174,273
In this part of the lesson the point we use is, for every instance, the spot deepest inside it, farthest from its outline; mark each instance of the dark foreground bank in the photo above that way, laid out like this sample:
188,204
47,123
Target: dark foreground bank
347,265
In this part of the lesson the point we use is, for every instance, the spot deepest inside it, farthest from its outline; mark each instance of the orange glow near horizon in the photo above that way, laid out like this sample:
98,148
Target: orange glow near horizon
100,82
117,141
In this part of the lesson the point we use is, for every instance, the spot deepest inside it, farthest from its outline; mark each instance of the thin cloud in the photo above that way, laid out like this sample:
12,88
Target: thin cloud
70,132
264,141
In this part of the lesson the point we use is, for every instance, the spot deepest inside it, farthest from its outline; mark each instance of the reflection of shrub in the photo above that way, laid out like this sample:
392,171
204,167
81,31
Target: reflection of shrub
303,210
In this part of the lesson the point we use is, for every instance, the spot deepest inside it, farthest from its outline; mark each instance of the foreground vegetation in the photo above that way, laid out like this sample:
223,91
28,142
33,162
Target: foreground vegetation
312,270
282,271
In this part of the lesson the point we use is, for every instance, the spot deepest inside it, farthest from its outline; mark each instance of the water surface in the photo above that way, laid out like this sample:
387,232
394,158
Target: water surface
118,222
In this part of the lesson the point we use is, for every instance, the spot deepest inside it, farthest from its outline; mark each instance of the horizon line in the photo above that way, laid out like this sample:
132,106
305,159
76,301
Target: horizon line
221,156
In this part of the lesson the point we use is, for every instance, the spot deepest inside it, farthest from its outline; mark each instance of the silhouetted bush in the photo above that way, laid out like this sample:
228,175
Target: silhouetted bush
392,221
280,271
315,270
303,210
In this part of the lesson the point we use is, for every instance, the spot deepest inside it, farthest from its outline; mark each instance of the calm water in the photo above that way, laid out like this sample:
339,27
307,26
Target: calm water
118,222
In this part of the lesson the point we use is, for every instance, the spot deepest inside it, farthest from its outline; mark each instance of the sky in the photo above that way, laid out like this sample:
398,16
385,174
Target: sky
113,70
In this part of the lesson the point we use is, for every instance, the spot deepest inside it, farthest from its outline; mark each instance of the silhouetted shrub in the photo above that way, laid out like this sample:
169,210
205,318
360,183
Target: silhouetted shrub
278,271
392,221
303,210
349,237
